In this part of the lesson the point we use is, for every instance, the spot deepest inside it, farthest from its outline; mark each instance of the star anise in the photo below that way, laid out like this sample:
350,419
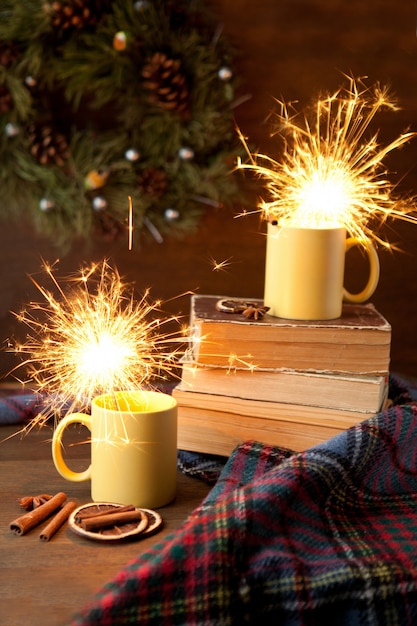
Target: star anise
255,312
32,502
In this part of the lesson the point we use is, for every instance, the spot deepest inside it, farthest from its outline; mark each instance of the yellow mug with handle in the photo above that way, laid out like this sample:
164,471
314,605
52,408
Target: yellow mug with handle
133,448
304,272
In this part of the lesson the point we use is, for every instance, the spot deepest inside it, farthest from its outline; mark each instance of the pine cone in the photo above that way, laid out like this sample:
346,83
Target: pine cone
75,14
153,182
8,53
48,146
165,82
6,100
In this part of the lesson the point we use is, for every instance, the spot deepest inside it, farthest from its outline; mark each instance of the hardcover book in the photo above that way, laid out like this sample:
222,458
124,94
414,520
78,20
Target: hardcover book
215,424
358,342
350,392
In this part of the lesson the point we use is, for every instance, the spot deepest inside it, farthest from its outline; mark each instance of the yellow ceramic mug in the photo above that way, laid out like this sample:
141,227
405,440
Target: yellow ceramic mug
304,272
133,448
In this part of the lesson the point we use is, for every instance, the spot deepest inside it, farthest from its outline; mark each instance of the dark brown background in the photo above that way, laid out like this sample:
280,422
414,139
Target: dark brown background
290,49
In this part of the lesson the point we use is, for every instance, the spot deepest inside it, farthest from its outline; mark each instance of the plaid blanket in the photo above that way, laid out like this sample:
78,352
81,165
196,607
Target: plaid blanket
19,408
322,537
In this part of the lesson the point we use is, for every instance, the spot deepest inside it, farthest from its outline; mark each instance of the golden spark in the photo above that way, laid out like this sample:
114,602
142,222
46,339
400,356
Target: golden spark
130,223
94,338
218,266
330,175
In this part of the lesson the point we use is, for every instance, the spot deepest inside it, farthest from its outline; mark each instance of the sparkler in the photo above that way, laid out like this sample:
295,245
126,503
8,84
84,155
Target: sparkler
330,175
95,338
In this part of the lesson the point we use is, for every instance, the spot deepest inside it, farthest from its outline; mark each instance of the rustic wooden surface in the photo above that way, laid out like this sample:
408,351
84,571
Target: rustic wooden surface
43,584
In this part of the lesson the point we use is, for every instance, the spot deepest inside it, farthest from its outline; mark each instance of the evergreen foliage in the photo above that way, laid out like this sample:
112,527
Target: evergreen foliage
101,100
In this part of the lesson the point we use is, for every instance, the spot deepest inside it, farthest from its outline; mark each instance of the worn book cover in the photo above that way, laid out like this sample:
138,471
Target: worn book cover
359,342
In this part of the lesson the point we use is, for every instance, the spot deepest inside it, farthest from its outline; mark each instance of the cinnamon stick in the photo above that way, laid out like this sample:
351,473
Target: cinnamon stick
114,519
29,520
57,521
82,515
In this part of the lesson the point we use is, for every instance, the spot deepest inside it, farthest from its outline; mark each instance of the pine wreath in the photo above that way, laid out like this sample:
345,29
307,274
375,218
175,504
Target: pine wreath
101,100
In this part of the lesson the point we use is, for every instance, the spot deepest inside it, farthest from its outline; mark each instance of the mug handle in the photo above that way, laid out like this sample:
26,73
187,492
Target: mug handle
58,459
374,270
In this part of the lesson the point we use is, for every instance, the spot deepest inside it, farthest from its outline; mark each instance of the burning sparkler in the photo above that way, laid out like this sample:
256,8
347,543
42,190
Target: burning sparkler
95,338
330,175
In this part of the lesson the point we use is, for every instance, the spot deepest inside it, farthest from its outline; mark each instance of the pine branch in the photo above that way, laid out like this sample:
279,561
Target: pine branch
88,119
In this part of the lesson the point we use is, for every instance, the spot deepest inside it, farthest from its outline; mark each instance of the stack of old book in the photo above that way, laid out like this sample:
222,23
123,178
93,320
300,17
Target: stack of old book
283,382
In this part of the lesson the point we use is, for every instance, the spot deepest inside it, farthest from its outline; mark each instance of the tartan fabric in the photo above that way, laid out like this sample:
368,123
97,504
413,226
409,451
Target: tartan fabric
205,467
19,408
323,537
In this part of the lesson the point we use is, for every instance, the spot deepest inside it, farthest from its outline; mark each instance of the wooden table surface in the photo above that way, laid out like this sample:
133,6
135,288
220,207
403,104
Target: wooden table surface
44,583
